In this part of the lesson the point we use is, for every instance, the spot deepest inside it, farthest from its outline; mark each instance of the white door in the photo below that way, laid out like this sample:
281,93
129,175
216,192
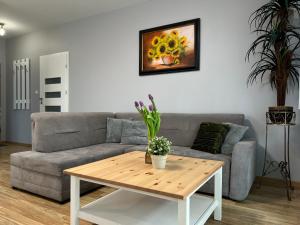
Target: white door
54,82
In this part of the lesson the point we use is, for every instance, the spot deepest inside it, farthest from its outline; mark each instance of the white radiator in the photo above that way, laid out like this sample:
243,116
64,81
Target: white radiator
21,84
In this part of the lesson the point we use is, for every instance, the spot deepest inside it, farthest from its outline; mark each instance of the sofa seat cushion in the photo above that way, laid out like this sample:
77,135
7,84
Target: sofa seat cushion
185,151
55,162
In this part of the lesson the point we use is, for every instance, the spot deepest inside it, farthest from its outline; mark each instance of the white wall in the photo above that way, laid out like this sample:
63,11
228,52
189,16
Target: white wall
104,66
2,89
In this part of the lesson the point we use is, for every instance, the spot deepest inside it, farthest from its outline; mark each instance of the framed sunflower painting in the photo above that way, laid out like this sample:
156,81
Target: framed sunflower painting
170,48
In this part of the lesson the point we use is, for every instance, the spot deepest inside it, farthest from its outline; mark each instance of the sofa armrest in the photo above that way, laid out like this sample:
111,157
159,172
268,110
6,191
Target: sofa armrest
242,169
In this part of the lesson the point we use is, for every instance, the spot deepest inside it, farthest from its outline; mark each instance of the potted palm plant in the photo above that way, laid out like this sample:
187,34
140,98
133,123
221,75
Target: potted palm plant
276,45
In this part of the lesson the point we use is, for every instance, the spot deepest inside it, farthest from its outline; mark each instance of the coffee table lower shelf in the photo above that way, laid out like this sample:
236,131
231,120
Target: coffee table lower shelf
129,208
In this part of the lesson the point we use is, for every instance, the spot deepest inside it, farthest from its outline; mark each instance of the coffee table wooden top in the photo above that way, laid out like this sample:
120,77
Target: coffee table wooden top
180,178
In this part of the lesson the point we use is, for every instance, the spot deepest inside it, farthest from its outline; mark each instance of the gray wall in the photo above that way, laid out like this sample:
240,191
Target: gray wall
33,45
2,89
104,67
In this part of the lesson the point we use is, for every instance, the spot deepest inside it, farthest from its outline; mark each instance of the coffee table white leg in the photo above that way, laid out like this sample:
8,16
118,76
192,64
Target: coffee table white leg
75,200
218,195
184,211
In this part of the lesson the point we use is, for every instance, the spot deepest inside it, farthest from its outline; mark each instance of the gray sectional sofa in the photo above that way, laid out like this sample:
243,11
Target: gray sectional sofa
65,140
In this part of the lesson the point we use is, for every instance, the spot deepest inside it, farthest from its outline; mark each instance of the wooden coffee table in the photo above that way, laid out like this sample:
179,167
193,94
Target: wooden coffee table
148,196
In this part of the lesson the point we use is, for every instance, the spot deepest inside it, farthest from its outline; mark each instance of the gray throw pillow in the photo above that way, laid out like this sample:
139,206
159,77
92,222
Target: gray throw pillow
235,134
114,130
134,133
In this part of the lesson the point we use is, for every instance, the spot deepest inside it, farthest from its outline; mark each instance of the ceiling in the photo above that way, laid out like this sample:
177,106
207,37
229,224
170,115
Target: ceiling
24,16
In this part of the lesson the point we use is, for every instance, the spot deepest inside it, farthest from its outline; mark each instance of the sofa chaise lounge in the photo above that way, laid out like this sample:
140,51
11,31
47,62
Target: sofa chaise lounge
65,140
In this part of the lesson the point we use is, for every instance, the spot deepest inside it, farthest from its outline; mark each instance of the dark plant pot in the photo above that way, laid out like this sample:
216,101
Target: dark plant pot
148,159
281,114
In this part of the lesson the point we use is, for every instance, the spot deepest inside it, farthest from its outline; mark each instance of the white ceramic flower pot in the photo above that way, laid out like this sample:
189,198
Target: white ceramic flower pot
159,161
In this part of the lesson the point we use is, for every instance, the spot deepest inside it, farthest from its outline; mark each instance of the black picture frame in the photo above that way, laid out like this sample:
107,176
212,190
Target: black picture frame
196,66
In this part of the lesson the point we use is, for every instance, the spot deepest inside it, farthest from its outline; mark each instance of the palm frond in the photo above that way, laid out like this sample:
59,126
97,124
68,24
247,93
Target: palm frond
276,44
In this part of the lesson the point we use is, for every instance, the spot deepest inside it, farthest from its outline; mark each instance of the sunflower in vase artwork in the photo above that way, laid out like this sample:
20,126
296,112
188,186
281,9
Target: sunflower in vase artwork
169,48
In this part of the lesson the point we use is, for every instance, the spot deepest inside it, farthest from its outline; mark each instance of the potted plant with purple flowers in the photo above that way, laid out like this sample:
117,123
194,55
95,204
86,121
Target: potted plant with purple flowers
151,118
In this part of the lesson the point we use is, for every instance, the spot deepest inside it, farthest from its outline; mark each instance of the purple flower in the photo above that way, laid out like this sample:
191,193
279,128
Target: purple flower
141,104
136,104
150,97
151,108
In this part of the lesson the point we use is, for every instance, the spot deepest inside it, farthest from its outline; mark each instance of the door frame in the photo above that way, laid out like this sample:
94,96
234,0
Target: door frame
3,101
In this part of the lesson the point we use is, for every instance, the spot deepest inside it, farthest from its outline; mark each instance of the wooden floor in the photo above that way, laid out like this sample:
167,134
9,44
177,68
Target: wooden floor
265,205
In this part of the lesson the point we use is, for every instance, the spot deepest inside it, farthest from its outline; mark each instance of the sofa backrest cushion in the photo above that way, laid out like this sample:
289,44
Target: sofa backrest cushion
134,133
182,128
61,131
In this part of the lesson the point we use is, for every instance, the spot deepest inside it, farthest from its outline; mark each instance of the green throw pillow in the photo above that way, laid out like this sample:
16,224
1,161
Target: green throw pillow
210,137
